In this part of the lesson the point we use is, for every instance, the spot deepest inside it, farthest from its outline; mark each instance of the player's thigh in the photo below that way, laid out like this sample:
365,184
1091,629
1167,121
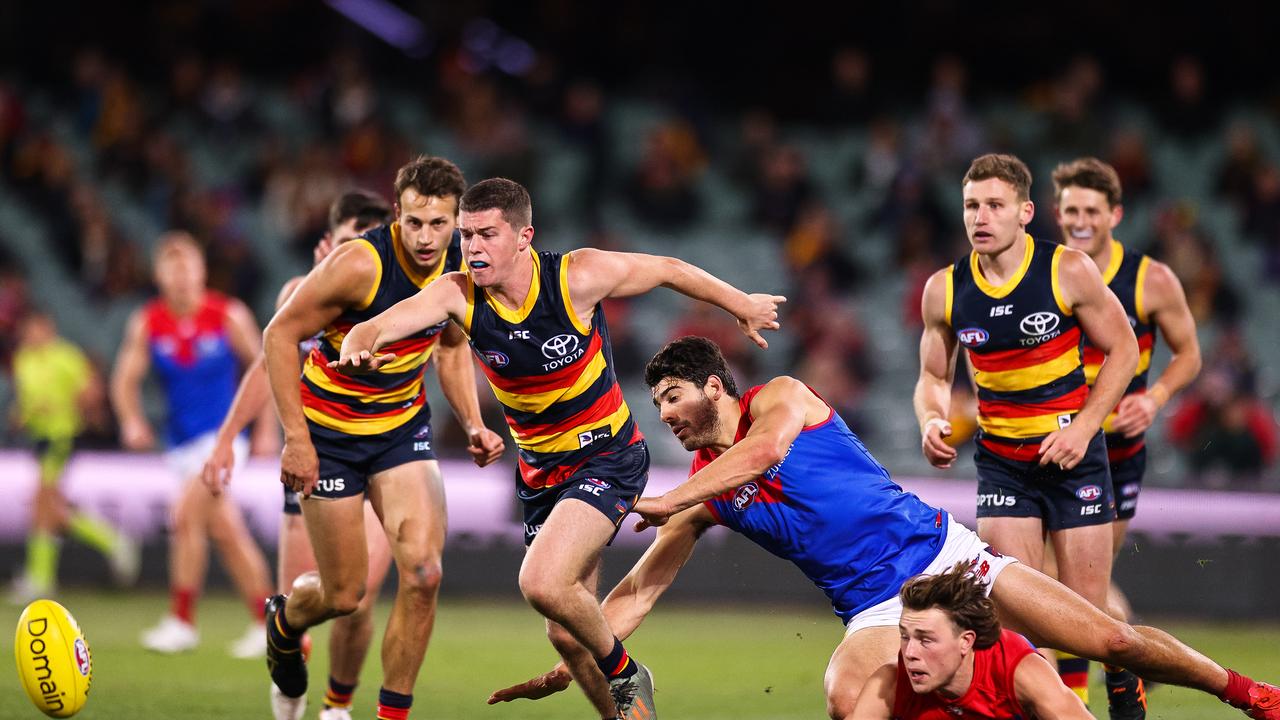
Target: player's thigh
1020,537
568,546
859,654
1050,614
335,527
409,500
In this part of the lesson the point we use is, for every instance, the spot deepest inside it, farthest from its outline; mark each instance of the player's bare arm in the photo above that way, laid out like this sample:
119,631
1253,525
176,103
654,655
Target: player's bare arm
598,274
250,401
343,280
132,362
444,299
1104,321
632,599
1165,304
938,351
875,702
1041,693
457,375
780,410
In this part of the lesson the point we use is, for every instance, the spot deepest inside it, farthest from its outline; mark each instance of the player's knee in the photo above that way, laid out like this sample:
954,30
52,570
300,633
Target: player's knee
537,592
841,699
561,640
423,578
1123,644
343,600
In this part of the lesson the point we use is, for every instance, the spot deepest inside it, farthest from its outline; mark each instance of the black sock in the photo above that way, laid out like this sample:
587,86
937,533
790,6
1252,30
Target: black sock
393,705
281,634
617,664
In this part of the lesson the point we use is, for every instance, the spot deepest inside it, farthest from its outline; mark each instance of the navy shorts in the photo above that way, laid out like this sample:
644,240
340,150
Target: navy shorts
1126,478
1064,499
347,461
610,482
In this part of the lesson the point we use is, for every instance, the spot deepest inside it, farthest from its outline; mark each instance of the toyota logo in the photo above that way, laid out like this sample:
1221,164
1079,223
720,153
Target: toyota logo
1038,323
559,346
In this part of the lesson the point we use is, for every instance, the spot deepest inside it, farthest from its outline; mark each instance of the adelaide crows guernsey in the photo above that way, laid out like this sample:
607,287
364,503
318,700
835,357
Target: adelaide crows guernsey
384,400
1125,275
197,366
831,508
991,694
1023,344
553,375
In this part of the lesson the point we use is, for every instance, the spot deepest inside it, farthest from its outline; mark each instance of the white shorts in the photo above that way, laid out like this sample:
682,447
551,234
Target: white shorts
962,544
187,460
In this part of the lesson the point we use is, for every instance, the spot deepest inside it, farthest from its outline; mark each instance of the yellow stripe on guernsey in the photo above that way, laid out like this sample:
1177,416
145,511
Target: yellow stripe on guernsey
568,301
1138,284
1057,287
1028,378
1021,427
568,440
377,280
408,392
365,426
539,402
999,291
1144,363
951,291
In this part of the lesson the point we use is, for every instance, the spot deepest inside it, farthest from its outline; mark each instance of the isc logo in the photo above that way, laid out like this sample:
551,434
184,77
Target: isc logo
1000,310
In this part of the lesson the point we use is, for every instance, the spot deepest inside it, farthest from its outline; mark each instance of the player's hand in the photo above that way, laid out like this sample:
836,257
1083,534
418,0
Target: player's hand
653,511
361,363
546,684
761,314
1066,447
484,445
935,449
216,472
1134,415
299,466
323,248
136,434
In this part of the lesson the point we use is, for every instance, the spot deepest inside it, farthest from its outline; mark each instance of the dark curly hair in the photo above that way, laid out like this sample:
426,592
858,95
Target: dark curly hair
690,358
430,177
959,594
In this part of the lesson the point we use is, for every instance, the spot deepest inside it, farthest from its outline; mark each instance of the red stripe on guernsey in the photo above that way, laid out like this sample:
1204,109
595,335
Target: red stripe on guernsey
342,411
538,478
1075,679
606,405
1094,356
1022,452
1120,454
409,345
561,378
1019,358
346,382
390,713
1070,402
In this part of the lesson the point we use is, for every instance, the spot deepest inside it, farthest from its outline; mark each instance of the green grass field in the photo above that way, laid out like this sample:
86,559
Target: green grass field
737,663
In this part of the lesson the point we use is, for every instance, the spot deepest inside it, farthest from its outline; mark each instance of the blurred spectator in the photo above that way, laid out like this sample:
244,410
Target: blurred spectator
950,136
757,138
1188,110
13,122
1226,431
1074,123
1262,216
1243,161
662,189
492,129
831,353
1128,155
1182,245
918,258
15,303
849,102
783,188
880,165
582,125
814,247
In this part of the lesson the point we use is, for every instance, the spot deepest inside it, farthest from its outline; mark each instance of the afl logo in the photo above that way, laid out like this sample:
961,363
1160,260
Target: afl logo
495,358
973,337
745,495
559,346
1089,493
1039,323
82,657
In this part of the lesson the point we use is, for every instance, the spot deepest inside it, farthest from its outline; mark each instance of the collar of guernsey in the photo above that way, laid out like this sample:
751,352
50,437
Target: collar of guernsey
1125,274
552,374
1023,343
378,402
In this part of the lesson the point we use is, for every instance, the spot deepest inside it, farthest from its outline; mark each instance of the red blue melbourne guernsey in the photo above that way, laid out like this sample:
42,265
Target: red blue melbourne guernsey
831,508
991,694
1023,344
196,364
553,376
338,405
1125,275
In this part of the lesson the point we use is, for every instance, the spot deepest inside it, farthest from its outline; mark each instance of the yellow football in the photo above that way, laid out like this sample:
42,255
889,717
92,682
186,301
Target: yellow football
54,663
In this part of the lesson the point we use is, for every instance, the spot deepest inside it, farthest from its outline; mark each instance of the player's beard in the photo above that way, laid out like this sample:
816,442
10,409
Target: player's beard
704,424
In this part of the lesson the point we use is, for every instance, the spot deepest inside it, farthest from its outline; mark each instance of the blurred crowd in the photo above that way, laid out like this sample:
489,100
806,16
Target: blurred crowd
241,161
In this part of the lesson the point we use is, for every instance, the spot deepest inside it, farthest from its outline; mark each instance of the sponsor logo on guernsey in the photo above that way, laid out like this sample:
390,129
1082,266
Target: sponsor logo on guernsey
331,484
561,350
745,496
1091,509
423,433
586,437
1039,327
973,337
495,358
1089,493
532,530
997,500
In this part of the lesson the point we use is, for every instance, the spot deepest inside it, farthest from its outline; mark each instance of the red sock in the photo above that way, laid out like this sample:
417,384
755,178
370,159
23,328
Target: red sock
182,605
1236,693
256,606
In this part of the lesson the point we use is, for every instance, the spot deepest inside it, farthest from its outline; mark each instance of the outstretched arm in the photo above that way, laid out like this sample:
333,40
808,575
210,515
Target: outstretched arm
1165,304
938,351
444,299
598,274
780,411
132,363
1041,693
458,381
